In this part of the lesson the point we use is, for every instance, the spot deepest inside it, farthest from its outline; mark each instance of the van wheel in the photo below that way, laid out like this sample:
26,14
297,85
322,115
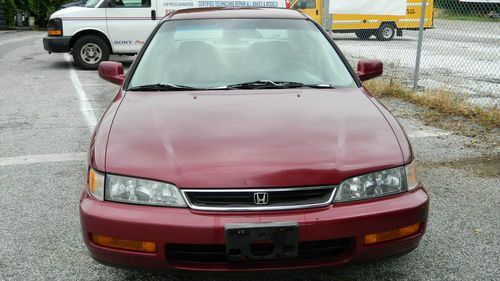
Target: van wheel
364,34
89,51
385,32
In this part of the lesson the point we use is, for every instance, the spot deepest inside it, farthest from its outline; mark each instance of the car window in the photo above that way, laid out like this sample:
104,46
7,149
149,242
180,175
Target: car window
304,4
129,3
91,3
212,53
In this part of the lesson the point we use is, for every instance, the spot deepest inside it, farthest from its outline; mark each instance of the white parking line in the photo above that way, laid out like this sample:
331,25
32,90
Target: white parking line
85,107
42,158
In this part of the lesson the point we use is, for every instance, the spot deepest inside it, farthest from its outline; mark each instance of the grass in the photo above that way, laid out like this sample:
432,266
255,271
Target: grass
466,18
439,101
455,15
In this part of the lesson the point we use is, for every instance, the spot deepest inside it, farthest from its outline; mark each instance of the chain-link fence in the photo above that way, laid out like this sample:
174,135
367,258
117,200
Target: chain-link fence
460,47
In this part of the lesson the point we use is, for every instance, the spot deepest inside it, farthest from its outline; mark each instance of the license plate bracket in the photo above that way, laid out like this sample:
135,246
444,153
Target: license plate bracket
261,241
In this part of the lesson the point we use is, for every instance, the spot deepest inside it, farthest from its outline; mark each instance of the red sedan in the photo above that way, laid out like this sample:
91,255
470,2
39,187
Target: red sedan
242,140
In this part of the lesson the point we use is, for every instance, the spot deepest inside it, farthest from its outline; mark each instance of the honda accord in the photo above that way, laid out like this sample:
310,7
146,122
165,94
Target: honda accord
242,140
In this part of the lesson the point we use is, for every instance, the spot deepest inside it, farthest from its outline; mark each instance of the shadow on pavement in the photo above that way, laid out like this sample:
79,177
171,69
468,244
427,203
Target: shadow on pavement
59,64
341,273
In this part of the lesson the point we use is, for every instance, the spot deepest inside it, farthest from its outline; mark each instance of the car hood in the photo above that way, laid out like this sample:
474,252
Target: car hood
72,11
252,138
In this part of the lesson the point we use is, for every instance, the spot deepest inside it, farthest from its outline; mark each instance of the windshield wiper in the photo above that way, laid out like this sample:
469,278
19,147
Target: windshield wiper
269,84
162,87
259,84
262,84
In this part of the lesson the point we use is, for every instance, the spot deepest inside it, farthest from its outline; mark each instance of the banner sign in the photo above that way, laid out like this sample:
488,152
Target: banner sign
369,7
169,5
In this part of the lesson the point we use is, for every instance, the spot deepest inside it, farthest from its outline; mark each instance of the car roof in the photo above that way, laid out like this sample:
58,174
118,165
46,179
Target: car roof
235,13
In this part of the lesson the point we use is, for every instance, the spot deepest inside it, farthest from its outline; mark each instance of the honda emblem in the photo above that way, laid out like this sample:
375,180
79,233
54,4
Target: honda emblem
261,198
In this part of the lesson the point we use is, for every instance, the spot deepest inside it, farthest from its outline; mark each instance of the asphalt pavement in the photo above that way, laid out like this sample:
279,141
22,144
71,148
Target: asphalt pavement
47,110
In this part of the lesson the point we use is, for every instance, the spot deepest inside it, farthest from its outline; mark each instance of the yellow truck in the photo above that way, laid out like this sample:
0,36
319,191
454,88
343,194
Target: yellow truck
367,18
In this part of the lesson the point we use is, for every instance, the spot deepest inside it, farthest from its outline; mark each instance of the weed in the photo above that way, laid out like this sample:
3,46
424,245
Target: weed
439,101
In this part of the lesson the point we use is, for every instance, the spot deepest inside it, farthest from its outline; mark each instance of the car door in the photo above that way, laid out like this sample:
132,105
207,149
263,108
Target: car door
129,23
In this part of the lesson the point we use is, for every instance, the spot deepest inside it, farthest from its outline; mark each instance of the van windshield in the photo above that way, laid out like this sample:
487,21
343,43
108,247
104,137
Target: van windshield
91,3
213,53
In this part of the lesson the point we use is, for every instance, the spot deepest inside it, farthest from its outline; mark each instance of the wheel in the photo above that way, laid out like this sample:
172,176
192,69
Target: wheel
386,32
89,51
364,34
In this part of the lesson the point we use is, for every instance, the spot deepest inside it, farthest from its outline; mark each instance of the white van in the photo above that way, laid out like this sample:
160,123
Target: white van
103,27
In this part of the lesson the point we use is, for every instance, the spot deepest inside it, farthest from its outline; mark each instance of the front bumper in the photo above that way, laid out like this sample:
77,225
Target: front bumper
180,226
57,44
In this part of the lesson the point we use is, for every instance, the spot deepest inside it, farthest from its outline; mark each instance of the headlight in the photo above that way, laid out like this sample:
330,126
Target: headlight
140,191
55,27
378,184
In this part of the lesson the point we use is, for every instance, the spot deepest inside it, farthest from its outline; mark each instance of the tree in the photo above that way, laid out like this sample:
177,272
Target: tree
40,9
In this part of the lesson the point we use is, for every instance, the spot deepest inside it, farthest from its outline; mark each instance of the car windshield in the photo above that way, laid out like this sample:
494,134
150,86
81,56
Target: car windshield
91,3
215,53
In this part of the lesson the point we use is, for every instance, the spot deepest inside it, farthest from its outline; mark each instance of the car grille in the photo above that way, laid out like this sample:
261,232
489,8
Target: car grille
216,254
258,199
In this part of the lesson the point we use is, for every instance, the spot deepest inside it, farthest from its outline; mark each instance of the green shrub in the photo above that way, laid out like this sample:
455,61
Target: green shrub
40,9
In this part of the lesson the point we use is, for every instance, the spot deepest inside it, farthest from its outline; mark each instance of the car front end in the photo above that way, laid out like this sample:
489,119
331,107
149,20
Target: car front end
159,238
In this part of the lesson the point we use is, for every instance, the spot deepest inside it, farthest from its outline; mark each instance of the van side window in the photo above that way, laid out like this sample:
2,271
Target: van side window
303,4
129,3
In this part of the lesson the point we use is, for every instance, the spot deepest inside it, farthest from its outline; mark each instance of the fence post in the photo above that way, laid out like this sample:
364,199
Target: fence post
326,17
419,46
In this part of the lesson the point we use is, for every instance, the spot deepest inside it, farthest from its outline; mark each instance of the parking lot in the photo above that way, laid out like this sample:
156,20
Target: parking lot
48,110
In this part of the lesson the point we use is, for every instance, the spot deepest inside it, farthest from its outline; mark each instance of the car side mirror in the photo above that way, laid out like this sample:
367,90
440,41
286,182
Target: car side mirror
369,69
112,71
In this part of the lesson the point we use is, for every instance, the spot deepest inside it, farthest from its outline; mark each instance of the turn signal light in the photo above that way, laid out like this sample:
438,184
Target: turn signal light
391,235
96,184
54,32
132,245
92,180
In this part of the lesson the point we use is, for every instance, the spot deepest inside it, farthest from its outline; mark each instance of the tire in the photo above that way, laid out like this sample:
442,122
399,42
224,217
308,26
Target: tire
3,22
364,34
2,13
89,51
386,32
